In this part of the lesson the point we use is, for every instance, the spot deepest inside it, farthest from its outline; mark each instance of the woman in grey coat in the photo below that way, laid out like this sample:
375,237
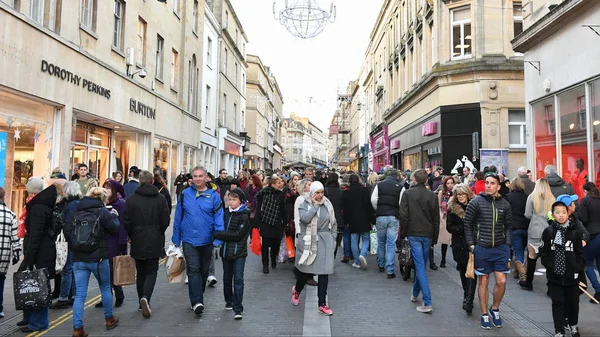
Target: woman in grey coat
315,244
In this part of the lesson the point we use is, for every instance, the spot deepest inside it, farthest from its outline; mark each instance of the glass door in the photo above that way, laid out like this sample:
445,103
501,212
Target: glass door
98,163
78,155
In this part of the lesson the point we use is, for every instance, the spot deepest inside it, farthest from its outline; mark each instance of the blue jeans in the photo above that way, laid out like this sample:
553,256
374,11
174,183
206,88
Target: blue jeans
519,241
346,241
364,249
2,279
592,254
387,234
37,318
66,280
419,247
82,271
233,273
197,262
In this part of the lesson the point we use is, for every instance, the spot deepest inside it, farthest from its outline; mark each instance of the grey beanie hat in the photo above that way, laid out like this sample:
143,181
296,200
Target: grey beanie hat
35,185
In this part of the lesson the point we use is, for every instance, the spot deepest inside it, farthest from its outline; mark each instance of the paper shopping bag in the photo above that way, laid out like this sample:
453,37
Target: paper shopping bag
470,267
32,289
289,241
123,270
175,268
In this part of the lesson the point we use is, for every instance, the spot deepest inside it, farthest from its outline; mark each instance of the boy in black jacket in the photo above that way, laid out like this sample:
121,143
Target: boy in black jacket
234,250
562,255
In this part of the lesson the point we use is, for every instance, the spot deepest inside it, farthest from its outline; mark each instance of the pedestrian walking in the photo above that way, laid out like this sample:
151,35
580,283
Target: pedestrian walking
10,247
487,229
133,181
146,218
270,215
385,199
461,196
563,256
198,214
589,214
234,250
87,236
315,243
420,216
333,192
360,217
444,238
519,226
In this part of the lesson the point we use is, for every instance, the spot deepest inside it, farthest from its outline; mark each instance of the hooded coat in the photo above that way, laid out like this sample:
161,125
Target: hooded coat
235,235
558,186
39,247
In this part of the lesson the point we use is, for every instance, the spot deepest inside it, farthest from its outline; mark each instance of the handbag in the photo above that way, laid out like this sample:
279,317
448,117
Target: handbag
256,245
32,289
62,251
123,270
470,273
405,254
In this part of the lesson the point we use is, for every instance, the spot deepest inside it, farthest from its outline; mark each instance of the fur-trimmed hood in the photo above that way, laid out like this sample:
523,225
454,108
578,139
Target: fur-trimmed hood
457,208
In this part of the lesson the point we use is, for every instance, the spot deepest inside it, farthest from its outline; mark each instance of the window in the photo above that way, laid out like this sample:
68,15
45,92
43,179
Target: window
573,128
207,107
224,115
461,33
234,117
413,56
237,37
141,42
176,7
192,80
195,16
225,61
543,120
36,11
10,3
88,17
209,52
236,74
160,42
517,129
517,21
174,66
118,28
423,57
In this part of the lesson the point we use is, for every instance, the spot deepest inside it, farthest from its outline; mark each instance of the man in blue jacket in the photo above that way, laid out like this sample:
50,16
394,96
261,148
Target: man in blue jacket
198,215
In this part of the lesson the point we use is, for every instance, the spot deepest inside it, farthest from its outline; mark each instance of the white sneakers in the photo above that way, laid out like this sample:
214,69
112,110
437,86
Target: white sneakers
357,266
212,281
363,262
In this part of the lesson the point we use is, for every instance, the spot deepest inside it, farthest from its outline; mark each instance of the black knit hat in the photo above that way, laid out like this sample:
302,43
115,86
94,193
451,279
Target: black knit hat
239,193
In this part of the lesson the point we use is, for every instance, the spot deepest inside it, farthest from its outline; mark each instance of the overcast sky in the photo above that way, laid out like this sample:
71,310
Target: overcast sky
310,72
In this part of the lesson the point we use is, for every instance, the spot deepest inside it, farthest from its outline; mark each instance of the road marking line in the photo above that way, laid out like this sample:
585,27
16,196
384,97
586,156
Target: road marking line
315,323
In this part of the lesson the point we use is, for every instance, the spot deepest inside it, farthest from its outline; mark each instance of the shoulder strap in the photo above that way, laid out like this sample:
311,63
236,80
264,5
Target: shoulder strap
181,198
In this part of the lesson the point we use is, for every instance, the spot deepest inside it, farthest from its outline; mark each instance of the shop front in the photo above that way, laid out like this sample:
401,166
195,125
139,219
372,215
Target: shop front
380,148
230,145
363,158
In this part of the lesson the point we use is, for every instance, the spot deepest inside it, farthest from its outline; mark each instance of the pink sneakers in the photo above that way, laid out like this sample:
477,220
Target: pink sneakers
324,309
295,296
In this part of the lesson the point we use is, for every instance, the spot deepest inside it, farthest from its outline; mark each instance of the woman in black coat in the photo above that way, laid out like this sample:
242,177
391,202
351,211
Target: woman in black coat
270,219
334,194
457,205
359,215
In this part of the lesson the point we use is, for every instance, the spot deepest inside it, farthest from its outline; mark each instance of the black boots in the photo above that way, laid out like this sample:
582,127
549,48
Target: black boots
469,295
432,264
528,283
265,269
444,251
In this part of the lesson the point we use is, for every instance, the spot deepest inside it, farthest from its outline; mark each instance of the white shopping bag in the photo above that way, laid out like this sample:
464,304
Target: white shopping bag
373,241
175,266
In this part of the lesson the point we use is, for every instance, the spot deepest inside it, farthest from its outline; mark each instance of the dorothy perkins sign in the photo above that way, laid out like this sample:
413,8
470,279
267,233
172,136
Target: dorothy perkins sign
75,79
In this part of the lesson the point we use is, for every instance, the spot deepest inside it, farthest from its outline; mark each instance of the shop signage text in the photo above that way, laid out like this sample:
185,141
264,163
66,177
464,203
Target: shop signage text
142,109
69,76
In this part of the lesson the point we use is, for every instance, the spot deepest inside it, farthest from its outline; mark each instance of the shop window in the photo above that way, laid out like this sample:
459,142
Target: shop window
125,150
88,14
90,145
517,132
573,132
173,169
412,161
595,116
162,157
460,37
141,42
119,12
545,139
195,16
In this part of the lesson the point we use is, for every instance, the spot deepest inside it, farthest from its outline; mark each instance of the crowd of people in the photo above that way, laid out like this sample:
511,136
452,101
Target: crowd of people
503,226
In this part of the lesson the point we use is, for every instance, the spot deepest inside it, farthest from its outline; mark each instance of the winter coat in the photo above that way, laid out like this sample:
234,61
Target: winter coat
165,192
235,235
223,185
589,214
487,221
518,202
358,213
180,183
290,201
278,212
529,185
558,186
537,223
574,255
444,236
197,216
130,187
9,241
436,183
456,227
109,224
39,248
117,242
334,194
324,262
251,194
478,187
419,213
146,219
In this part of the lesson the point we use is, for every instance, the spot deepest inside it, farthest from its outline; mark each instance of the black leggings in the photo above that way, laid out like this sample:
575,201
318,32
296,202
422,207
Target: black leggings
274,245
321,288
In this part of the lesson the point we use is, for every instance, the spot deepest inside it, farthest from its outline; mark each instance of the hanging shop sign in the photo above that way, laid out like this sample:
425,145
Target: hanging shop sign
142,109
68,76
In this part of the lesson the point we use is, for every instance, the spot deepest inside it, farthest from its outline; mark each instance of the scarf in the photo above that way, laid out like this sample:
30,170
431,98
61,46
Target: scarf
309,253
560,264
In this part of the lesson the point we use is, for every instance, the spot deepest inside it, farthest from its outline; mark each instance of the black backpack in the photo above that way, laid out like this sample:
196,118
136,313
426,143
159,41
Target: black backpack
86,229
58,221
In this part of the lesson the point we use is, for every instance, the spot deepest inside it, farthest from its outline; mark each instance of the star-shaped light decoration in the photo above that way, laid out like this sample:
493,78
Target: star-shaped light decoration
49,155
17,134
49,134
9,121
36,135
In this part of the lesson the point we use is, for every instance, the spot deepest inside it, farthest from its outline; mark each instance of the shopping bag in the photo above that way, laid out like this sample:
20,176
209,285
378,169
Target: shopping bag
289,243
470,267
175,266
62,251
405,256
373,241
255,245
123,270
283,253
32,289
